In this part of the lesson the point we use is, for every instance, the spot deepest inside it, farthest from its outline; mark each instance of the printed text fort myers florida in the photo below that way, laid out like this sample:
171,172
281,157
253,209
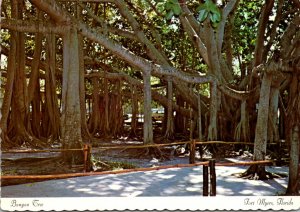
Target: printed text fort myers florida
266,202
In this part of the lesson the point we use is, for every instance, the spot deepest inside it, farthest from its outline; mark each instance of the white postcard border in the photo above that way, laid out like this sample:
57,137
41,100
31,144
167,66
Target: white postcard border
153,203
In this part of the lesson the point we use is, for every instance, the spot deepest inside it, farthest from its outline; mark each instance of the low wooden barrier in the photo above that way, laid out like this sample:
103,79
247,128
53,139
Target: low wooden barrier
209,173
87,149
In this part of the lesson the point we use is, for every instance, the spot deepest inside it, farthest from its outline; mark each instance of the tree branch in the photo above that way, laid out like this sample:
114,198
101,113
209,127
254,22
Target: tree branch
194,37
105,27
30,26
220,32
53,10
263,21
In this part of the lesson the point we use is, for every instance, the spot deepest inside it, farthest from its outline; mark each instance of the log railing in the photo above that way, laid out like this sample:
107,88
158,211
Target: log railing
209,171
87,148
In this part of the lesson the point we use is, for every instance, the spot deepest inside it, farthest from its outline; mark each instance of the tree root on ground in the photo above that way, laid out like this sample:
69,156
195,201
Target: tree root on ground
29,141
152,152
256,172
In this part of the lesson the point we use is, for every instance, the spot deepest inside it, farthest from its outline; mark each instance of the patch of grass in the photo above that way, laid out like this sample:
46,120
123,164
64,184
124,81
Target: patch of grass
101,165
121,165
9,172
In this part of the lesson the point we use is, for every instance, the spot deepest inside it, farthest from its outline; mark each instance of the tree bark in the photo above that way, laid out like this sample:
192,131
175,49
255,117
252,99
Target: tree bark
7,100
134,109
294,162
212,128
71,113
242,130
106,107
273,130
50,91
260,142
170,123
84,128
148,130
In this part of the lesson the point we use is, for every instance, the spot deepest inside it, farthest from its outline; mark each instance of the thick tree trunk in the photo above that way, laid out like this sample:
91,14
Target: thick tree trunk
242,130
273,130
71,113
36,113
19,109
94,121
294,162
180,120
260,143
148,130
50,84
34,98
293,134
84,128
7,100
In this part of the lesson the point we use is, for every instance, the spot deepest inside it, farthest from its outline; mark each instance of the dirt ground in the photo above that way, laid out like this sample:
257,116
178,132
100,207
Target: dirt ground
104,160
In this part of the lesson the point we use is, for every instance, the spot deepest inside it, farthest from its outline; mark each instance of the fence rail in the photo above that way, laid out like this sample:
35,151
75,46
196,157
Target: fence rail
209,173
195,141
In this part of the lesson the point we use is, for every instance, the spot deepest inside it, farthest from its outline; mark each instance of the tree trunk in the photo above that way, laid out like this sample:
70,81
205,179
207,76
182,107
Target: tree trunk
260,143
199,119
71,113
7,100
106,107
148,130
19,110
180,120
292,130
84,128
50,91
134,109
294,162
273,131
242,131
212,128
94,121
170,124
119,111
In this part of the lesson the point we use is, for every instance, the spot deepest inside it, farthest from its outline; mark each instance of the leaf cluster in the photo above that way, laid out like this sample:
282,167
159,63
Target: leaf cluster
171,7
211,11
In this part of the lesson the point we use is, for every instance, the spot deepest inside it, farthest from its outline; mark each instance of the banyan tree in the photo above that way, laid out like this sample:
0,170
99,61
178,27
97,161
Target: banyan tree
226,70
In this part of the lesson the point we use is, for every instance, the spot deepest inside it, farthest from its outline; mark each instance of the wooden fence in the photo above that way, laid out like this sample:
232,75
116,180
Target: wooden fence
209,171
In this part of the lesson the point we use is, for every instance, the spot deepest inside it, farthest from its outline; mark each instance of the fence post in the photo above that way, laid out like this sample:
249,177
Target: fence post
212,173
192,151
205,180
86,155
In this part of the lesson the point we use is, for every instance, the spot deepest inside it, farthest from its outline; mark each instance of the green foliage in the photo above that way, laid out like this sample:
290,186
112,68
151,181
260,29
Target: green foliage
171,7
211,11
245,30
